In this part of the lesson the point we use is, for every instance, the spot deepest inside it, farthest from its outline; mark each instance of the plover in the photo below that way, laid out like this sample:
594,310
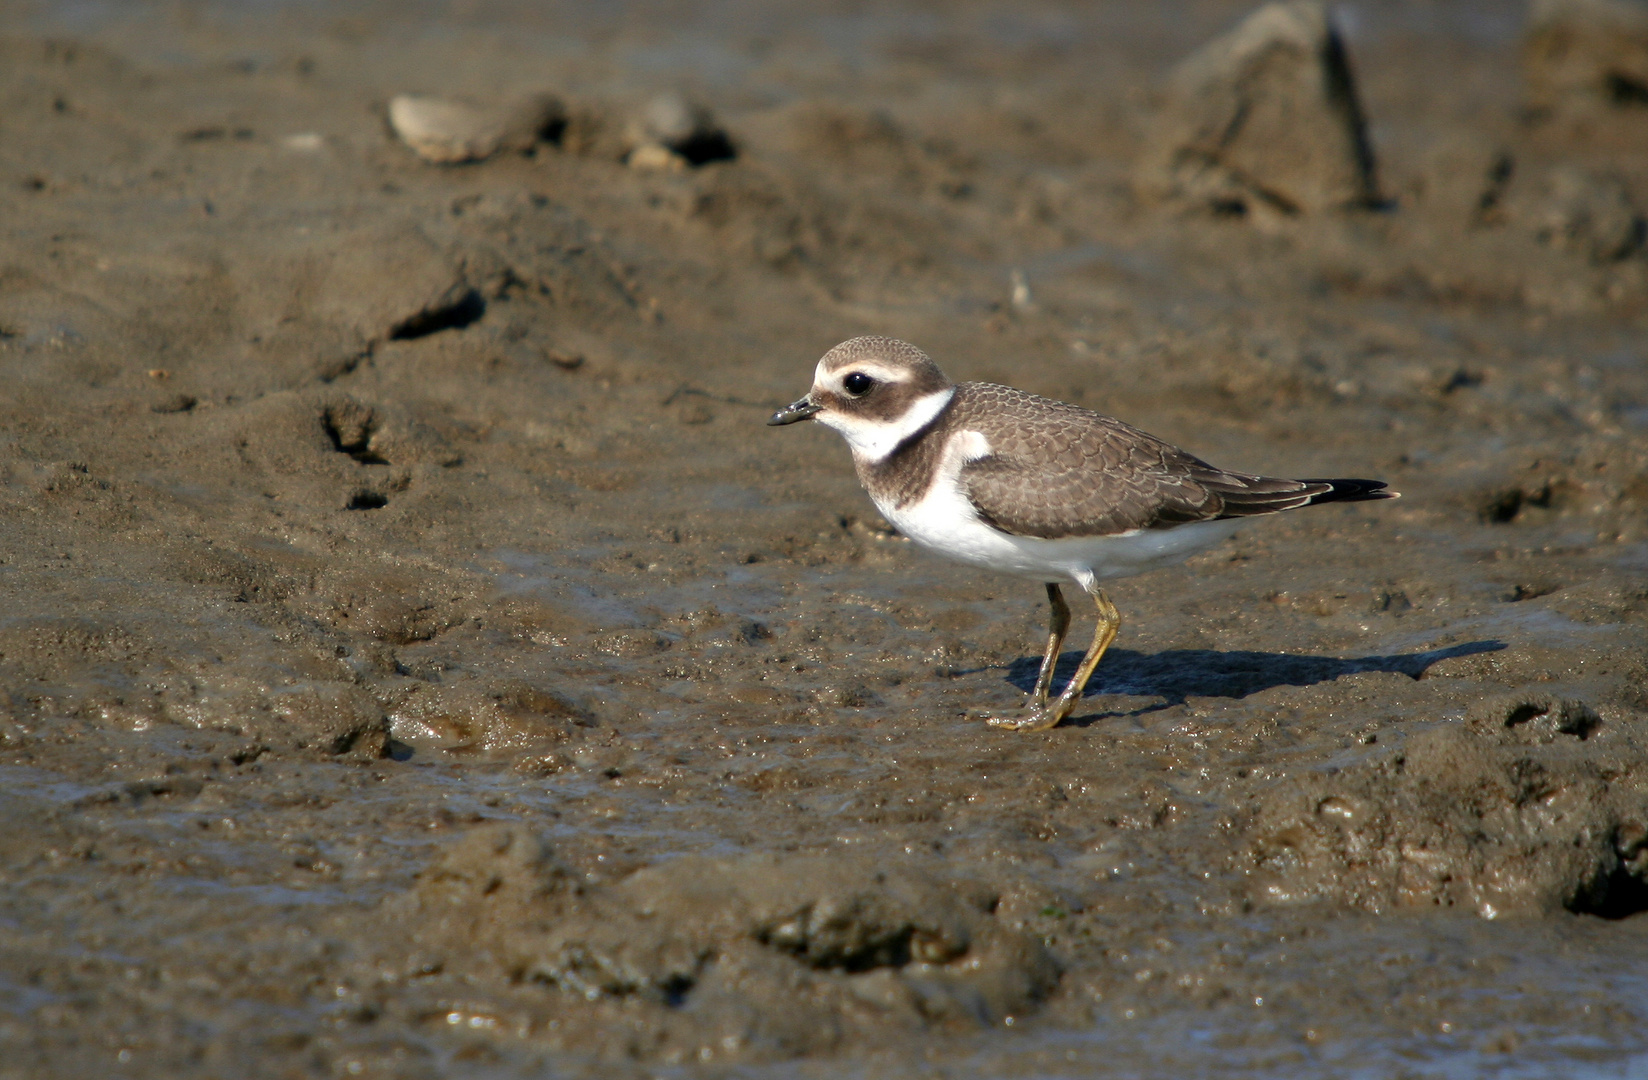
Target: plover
999,478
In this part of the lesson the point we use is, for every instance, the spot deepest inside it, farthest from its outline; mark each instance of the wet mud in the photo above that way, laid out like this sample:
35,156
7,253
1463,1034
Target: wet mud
418,659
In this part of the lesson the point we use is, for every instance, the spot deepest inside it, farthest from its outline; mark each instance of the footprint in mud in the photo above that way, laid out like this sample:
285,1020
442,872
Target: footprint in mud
1179,674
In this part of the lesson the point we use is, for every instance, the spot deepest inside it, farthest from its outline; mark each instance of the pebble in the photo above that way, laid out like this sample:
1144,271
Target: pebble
446,131
654,157
672,133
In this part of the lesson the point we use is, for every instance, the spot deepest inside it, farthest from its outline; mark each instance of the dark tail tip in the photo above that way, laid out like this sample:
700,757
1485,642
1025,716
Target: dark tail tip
1351,491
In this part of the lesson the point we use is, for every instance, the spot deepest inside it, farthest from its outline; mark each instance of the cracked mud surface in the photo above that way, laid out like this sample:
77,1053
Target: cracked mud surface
417,658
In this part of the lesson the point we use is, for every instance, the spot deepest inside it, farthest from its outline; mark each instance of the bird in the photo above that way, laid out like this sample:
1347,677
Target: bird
1003,479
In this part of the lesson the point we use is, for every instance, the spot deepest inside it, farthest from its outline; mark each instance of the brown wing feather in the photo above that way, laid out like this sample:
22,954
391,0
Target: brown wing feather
1060,470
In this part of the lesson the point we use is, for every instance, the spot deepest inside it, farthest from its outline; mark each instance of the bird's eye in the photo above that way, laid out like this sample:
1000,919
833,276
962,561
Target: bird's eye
857,383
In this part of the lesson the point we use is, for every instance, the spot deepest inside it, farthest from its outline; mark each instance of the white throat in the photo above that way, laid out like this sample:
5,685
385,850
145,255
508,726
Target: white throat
872,440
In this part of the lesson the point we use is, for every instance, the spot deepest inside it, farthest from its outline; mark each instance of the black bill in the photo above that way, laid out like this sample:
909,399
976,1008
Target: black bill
789,414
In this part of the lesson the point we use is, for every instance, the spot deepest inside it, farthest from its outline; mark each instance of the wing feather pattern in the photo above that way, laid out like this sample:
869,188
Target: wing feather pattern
1058,470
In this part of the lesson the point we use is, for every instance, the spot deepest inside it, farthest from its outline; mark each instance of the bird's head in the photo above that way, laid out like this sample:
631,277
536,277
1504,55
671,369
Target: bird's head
876,391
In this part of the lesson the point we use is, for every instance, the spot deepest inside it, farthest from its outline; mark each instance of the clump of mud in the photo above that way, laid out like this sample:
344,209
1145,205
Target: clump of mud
1264,120
1534,807
760,956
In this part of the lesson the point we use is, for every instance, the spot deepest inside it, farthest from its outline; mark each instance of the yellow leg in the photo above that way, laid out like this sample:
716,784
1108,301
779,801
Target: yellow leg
1058,624
1040,716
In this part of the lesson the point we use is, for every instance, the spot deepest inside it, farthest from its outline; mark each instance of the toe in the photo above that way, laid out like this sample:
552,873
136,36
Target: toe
1028,720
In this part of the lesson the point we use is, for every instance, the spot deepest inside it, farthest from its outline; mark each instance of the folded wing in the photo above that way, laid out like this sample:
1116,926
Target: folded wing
1058,470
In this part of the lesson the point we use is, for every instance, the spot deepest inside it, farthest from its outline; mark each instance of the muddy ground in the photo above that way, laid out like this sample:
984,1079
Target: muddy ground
418,659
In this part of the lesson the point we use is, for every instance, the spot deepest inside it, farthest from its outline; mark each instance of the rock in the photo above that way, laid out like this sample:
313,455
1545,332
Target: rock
1586,56
447,131
1264,120
672,132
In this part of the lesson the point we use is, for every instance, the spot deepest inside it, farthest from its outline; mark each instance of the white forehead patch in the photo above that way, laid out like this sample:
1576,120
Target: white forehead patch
878,372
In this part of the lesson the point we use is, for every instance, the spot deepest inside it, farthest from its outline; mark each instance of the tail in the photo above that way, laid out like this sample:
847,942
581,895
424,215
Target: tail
1349,491
1242,495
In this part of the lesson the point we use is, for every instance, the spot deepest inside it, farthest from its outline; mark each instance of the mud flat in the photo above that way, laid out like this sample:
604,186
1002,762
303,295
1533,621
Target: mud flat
417,659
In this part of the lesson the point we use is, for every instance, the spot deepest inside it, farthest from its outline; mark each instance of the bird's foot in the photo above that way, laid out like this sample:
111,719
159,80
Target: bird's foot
1031,718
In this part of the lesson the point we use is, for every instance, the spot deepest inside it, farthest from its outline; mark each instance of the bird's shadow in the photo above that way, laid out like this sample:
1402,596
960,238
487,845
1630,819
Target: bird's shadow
1178,674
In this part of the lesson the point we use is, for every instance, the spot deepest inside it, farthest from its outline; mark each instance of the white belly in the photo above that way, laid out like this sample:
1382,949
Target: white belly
945,522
